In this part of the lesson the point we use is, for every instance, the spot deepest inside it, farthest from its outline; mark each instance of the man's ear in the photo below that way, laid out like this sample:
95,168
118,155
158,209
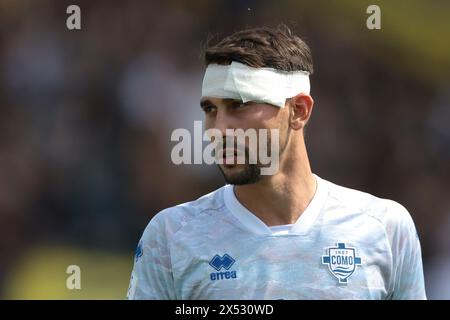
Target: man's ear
300,108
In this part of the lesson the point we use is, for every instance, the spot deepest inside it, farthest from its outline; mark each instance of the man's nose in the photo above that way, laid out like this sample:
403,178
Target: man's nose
223,121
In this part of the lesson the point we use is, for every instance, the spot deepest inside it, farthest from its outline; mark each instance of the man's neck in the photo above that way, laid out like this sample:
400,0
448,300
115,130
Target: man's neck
281,198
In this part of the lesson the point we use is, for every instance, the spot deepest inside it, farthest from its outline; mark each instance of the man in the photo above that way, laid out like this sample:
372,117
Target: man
288,235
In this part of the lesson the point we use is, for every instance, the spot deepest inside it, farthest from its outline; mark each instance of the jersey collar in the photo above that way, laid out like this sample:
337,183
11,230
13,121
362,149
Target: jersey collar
257,226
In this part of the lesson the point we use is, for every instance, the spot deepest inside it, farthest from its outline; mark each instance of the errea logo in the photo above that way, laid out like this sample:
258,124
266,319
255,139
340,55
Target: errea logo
225,262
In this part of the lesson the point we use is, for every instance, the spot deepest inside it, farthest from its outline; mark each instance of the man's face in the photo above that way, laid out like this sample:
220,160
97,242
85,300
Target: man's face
223,114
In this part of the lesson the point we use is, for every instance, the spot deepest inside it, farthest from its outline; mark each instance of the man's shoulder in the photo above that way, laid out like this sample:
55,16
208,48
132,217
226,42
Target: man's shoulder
173,218
384,210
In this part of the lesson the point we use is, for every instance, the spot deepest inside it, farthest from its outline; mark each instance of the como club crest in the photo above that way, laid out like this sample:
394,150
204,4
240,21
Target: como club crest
341,261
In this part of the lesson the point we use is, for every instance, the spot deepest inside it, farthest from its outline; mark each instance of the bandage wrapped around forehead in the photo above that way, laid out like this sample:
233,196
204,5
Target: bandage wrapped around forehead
263,85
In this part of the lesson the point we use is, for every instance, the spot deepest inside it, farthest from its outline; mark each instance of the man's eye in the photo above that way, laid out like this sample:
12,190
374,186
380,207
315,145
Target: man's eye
208,109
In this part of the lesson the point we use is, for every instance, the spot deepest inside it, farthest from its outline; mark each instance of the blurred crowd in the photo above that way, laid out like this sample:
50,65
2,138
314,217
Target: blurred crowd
86,118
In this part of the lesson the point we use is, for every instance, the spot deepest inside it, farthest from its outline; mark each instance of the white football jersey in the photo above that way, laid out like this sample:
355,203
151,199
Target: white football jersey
347,244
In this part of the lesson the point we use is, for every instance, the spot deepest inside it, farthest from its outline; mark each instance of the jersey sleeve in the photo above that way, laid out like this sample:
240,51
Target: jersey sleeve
151,277
408,278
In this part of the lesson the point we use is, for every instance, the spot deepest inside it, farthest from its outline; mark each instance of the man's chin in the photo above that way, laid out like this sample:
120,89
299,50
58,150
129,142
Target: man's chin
240,174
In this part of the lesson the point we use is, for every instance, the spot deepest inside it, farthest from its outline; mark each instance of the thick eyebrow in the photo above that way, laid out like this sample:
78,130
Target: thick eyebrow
207,102
204,103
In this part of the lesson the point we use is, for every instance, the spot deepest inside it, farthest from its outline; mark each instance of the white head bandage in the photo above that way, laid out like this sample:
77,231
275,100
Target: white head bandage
266,85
